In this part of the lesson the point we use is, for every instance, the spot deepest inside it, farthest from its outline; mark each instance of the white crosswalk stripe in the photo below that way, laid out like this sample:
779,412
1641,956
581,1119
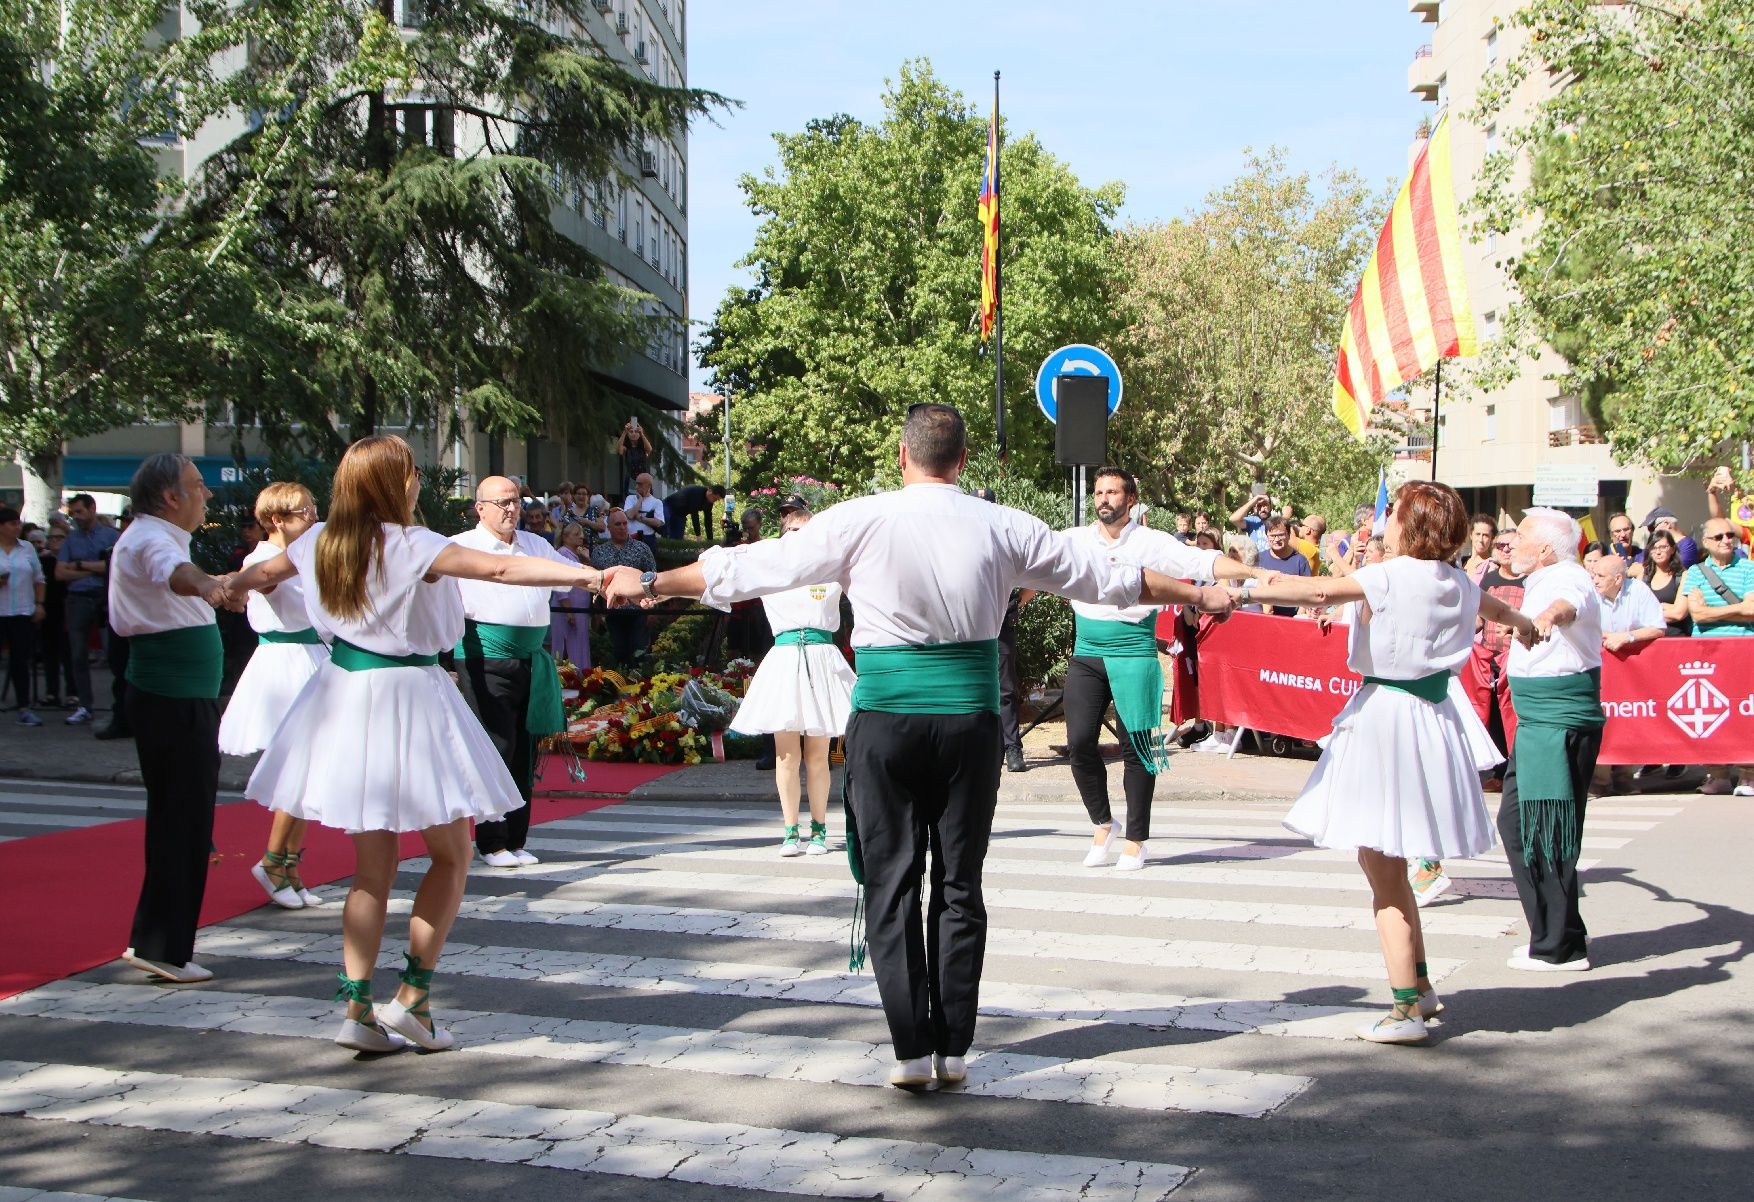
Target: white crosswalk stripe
630,1145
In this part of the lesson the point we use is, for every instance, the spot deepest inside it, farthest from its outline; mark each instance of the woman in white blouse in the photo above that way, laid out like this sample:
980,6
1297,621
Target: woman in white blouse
1399,776
380,742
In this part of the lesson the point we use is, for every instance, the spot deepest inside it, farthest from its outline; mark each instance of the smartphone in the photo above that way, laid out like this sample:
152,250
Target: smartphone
1257,489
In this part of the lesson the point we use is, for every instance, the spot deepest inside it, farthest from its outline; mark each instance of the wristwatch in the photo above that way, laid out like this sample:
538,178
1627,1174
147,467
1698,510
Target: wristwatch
648,581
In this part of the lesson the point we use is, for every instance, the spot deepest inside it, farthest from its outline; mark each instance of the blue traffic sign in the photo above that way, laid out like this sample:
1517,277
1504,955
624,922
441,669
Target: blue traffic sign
1079,359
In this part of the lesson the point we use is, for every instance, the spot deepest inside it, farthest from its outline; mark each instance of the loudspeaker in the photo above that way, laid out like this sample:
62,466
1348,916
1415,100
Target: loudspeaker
1081,429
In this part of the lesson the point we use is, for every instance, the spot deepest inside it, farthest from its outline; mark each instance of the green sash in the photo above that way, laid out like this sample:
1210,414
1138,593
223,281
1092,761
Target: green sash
804,636
543,713
306,637
1432,689
1547,707
1128,651
348,658
186,662
928,678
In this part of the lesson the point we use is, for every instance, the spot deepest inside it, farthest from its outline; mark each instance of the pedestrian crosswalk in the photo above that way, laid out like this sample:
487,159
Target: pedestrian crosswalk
665,1001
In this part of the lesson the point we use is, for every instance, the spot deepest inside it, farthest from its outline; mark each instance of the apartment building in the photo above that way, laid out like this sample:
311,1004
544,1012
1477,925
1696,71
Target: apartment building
637,227
1494,447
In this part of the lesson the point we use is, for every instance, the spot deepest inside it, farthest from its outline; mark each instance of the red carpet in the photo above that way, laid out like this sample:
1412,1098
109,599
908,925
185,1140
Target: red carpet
73,931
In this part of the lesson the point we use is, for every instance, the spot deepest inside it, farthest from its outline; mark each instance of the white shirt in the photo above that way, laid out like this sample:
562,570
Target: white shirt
813,606
282,609
1146,548
1636,608
643,516
507,604
1575,647
1417,619
926,564
23,572
404,615
141,601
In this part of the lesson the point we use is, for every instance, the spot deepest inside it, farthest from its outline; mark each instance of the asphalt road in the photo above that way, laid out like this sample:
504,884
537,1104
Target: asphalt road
661,1010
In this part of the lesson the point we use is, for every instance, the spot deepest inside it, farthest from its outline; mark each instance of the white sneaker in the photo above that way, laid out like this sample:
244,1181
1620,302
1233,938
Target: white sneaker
1215,744
310,899
286,897
1097,856
1395,1030
1430,1005
361,1037
1522,960
79,717
394,1016
182,974
1434,888
1744,791
1127,863
525,859
951,1070
501,859
911,1074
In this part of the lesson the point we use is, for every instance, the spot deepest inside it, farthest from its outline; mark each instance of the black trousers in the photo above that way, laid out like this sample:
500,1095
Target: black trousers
629,635
1087,696
1549,891
177,740
18,635
1009,735
925,782
498,690
57,663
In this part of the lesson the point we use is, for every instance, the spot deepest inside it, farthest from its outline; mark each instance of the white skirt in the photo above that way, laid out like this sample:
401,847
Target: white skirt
808,689
271,682
387,749
1402,776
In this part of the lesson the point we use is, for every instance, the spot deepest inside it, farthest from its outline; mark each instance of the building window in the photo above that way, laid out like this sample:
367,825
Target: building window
1491,138
1442,92
1489,323
1563,413
1442,423
1491,423
1491,242
1492,48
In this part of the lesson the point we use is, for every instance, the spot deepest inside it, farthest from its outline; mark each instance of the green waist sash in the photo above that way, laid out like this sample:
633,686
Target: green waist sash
186,662
804,636
306,637
348,658
1547,708
1128,651
543,713
1432,689
931,678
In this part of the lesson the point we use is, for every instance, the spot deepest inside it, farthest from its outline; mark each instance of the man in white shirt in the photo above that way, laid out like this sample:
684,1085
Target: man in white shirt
928,570
504,673
1114,658
1631,613
1557,687
163,604
645,513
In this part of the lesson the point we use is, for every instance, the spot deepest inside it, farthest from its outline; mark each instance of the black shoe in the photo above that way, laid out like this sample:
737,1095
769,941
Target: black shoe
764,764
1194,734
113,731
1014,760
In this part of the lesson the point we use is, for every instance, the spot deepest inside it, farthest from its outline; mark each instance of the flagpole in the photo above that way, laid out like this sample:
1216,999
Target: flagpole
998,306
1436,405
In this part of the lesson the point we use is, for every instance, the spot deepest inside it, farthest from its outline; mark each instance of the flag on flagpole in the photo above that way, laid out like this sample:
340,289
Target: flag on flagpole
1586,532
1380,522
1411,307
989,215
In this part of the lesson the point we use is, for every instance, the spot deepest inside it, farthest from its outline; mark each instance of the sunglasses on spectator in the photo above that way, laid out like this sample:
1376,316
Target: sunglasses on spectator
1712,538
1502,546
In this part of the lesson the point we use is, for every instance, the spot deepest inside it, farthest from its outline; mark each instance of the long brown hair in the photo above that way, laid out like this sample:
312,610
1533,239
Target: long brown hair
371,488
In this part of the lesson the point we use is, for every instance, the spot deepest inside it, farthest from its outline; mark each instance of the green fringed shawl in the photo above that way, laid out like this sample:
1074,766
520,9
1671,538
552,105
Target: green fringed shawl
1547,707
1128,651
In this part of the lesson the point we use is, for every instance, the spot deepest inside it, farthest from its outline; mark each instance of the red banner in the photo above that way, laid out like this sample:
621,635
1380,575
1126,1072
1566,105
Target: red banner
1673,701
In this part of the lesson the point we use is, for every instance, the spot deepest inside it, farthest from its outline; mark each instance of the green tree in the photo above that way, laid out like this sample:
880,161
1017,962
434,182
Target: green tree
107,314
867,268
1638,262
1233,316
415,227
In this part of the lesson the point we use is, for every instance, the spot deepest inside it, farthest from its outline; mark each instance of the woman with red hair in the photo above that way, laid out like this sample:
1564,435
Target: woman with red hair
1399,776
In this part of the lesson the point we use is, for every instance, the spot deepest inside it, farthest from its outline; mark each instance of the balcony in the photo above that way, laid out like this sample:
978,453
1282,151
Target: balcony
1422,75
1575,436
640,56
1425,10
603,6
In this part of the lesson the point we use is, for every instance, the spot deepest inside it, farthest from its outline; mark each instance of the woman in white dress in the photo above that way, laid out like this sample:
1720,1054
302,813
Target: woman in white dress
287,655
801,694
1400,774
380,742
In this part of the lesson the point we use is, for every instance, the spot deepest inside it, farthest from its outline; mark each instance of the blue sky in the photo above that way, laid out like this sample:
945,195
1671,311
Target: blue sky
1162,96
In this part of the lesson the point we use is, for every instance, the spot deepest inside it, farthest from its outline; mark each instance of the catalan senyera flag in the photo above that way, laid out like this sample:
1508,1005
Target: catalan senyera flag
989,214
1411,308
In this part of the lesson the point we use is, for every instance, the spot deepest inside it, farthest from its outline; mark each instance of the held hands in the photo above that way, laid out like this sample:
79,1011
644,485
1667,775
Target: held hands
1216,600
621,586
